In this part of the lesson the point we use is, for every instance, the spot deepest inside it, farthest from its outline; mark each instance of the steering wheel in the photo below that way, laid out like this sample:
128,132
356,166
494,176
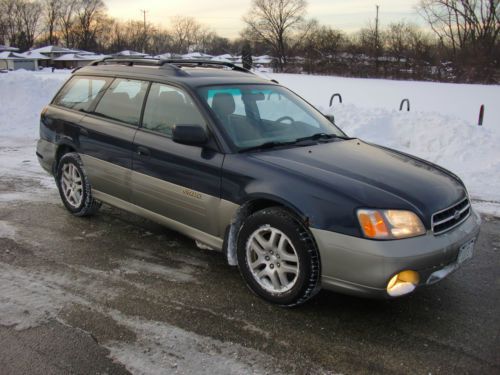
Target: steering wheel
283,118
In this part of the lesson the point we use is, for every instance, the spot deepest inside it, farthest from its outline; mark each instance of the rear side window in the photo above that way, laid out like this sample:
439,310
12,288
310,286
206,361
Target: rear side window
123,101
167,106
80,92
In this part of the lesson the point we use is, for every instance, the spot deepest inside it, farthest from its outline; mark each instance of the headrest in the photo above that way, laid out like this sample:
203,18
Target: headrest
172,98
223,104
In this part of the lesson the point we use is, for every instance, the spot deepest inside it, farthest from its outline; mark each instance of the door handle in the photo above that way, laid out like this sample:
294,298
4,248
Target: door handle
84,132
143,151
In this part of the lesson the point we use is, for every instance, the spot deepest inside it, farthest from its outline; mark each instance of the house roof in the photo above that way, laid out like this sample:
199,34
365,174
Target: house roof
130,53
54,49
196,55
79,57
7,48
9,55
34,55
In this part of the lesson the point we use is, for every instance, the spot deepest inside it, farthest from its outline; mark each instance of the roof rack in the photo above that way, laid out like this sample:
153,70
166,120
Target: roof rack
172,62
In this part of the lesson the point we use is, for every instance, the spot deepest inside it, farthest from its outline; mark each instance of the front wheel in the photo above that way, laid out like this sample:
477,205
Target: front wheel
74,186
278,258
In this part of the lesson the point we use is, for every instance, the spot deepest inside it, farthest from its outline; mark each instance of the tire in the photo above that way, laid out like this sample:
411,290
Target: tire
278,258
74,186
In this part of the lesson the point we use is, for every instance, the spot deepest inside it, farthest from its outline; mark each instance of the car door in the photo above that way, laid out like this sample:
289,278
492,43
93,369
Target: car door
107,134
177,181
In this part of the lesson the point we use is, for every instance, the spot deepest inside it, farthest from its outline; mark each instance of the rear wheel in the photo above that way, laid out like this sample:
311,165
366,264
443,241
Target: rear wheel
74,186
278,258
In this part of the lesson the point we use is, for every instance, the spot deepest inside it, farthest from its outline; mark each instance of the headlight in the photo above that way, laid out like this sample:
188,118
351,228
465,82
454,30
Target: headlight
389,224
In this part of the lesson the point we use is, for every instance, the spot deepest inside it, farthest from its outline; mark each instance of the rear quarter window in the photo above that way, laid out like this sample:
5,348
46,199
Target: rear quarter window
80,93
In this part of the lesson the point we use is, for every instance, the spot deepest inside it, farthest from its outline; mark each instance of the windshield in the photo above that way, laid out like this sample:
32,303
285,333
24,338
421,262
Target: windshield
254,115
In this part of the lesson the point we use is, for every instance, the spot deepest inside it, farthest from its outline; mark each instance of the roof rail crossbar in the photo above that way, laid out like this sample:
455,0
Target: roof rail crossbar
172,62
200,62
128,61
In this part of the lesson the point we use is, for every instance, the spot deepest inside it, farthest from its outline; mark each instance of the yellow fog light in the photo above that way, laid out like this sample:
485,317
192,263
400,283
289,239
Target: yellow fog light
402,283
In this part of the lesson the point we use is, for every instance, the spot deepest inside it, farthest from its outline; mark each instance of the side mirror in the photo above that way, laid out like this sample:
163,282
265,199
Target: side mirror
194,135
331,118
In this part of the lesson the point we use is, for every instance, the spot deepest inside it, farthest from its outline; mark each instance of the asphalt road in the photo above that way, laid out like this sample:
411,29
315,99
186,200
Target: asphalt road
116,293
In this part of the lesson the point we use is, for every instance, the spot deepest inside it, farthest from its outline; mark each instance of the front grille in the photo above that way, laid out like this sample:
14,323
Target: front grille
449,218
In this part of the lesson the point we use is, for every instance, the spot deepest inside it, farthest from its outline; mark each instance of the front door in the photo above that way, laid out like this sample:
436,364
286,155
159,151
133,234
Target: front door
177,181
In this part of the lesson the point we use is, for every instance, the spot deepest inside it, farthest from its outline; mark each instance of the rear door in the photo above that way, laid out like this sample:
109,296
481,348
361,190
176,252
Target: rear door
177,181
107,134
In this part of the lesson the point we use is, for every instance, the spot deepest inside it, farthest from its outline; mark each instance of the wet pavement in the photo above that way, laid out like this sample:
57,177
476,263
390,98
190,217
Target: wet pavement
116,293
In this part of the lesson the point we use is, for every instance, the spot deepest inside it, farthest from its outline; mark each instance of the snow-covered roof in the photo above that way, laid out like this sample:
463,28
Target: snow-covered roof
196,55
221,58
130,53
35,55
9,55
265,59
225,56
82,52
53,49
78,57
7,48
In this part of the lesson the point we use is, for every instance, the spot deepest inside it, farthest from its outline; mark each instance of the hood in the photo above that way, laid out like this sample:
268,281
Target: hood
374,176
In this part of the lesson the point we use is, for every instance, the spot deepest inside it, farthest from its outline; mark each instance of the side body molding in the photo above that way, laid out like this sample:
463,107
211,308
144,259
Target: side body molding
198,215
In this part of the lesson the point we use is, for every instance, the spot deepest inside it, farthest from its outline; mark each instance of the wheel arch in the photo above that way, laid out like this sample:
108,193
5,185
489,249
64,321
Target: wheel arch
250,206
62,149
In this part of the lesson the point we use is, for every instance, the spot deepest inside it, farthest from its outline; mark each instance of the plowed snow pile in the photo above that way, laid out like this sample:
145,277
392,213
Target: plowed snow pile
441,126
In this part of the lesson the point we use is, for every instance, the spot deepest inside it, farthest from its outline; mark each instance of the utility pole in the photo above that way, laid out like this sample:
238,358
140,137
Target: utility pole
376,39
143,11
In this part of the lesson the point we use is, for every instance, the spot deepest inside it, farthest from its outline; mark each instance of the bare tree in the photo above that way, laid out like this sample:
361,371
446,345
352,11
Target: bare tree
67,21
471,28
185,32
29,16
88,16
20,21
463,22
274,22
51,13
9,18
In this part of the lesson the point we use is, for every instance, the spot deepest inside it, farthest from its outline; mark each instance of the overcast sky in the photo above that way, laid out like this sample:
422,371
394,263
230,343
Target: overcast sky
224,16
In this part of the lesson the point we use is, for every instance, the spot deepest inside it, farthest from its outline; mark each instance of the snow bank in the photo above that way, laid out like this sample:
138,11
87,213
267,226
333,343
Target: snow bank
449,99
440,126
23,95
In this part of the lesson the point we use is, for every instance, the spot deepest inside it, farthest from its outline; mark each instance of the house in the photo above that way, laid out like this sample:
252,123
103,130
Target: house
42,60
53,52
196,56
75,60
128,53
12,61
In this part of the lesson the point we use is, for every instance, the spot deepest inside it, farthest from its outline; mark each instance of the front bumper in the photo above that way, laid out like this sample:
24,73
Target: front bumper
363,267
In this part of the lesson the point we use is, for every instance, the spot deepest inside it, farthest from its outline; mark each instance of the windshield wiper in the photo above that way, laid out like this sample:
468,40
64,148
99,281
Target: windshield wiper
314,137
320,136
267,145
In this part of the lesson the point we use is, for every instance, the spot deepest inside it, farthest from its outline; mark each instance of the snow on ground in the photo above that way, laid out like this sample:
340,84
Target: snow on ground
440,126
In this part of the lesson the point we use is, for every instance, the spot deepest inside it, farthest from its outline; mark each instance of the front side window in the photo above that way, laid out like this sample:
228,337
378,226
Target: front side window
168,106
256,114
80,92
123,101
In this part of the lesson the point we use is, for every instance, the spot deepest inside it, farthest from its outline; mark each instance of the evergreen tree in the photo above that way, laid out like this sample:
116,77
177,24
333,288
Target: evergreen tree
246,55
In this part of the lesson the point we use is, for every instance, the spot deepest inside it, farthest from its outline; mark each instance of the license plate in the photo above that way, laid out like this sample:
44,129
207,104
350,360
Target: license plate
466,250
